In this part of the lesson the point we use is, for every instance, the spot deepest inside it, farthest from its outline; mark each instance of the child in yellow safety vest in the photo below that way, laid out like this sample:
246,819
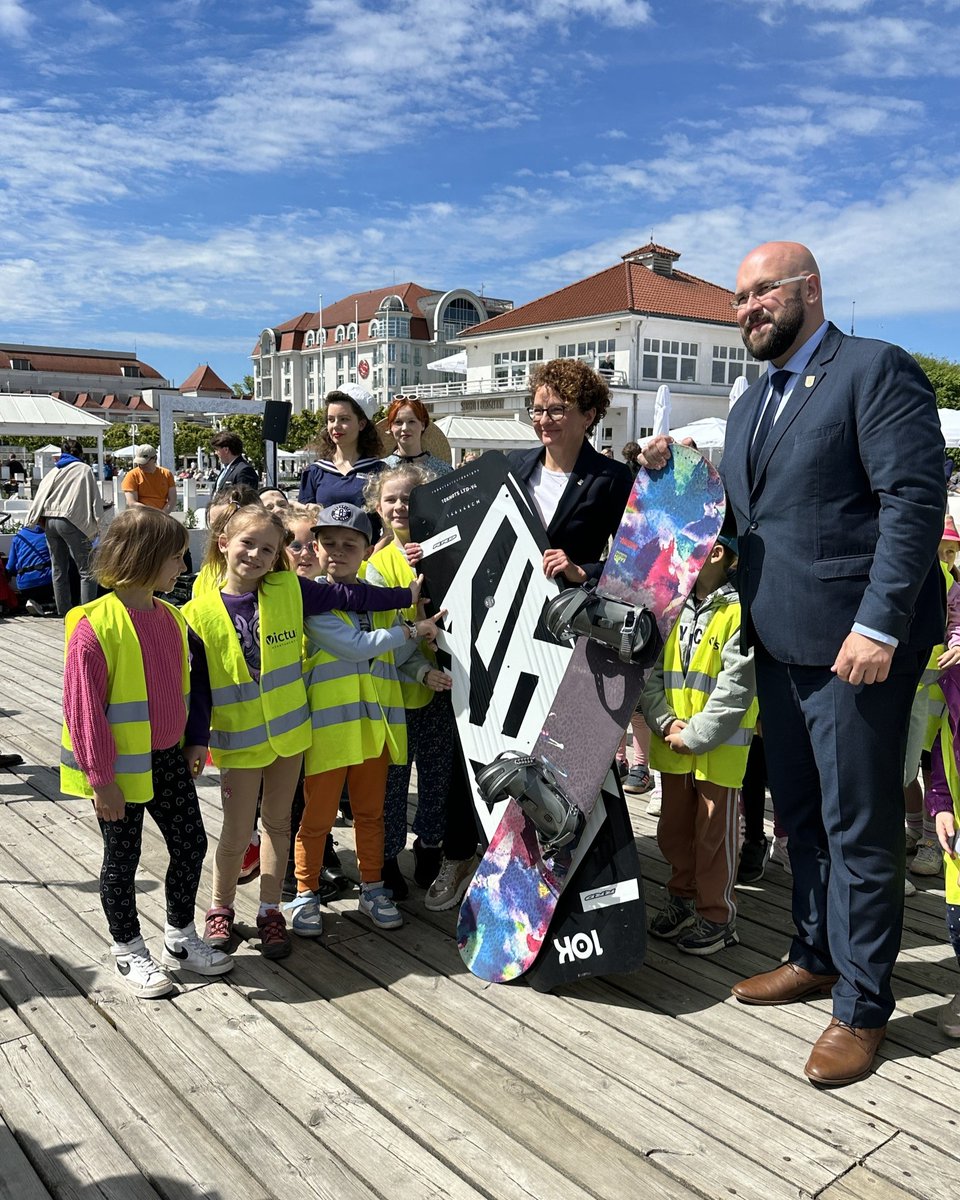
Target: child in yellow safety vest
248,634
701,700
428,704
126,689
358,723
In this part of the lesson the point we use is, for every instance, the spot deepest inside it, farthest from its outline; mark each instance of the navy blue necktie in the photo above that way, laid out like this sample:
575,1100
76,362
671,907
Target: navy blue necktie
778,381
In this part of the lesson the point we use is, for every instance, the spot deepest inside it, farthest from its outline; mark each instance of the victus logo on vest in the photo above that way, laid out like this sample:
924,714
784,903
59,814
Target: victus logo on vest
283,635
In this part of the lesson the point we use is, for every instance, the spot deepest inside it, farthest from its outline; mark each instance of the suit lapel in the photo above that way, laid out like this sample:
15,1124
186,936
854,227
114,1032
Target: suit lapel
807,383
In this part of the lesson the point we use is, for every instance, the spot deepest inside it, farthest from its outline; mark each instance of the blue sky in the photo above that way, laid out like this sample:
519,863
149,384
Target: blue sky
179,174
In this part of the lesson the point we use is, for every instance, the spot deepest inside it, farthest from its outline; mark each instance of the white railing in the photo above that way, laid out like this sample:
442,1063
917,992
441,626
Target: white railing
474,387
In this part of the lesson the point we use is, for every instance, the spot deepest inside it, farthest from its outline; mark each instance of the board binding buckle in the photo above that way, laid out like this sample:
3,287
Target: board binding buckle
580,612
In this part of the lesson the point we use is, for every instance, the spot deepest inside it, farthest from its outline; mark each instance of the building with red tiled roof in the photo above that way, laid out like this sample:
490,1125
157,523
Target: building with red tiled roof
642,323
106,381
383,339
204,381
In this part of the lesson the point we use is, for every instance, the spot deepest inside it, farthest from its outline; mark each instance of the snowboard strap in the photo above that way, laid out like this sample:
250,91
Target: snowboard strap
581,612
557,820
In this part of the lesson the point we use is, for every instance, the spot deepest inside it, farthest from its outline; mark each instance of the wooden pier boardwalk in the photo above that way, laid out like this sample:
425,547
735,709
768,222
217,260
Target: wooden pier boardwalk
371,1064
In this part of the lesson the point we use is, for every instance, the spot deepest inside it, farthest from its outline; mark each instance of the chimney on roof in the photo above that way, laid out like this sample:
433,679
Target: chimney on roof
658,259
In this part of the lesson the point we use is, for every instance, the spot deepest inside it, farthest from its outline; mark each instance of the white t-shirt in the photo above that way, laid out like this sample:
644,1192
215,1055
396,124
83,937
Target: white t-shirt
546,488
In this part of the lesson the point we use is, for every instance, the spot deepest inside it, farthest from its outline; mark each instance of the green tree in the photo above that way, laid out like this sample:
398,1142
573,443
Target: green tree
304,430
190,436
243,389
944,374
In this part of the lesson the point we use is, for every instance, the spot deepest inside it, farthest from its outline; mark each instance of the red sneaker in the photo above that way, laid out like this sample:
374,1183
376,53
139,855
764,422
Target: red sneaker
218,927
251,860
274,939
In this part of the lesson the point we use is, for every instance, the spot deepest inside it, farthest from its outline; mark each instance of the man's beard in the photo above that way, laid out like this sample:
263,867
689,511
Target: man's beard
779,334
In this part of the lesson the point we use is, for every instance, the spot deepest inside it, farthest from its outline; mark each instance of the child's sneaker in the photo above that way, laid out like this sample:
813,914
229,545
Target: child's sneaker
218,927
138,969
654,805
427,861
707,937
928,859
780,854
909,889
911,837
306,920
274,939
638,781
251,860
948,1019
378,904
676,915
183,950
451,882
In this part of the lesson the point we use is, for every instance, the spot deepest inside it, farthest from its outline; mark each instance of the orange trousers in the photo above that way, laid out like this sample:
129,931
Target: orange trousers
367,787
699,836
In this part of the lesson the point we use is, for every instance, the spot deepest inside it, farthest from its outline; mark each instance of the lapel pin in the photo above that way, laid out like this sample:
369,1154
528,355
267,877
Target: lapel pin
810,381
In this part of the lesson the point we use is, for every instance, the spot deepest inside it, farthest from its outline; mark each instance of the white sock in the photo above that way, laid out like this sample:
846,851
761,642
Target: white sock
137,946
172,934
265,908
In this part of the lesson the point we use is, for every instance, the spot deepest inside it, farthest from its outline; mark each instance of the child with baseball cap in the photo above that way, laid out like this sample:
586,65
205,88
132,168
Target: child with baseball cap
359,723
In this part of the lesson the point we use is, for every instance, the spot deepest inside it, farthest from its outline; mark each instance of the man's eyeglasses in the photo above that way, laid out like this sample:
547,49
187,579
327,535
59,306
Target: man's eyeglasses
556,412
762,289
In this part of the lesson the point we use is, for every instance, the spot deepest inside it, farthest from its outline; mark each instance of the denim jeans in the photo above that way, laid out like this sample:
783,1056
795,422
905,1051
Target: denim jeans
66,541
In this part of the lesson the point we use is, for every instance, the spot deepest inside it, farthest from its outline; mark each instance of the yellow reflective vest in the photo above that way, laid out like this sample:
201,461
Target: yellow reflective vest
127,711
688,693
356,708
392,565
253,723
928,689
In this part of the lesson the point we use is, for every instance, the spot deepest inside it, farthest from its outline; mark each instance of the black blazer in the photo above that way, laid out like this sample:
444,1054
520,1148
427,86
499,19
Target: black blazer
843,519
239,473
590,508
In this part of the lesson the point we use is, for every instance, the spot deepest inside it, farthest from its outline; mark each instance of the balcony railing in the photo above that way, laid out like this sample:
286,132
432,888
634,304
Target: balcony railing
482,386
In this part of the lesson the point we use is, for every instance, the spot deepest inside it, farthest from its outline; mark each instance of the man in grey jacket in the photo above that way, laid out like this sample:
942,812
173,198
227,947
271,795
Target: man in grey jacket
69,508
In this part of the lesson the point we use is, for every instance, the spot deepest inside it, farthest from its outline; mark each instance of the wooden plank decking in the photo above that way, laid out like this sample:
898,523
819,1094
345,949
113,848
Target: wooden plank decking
373,1064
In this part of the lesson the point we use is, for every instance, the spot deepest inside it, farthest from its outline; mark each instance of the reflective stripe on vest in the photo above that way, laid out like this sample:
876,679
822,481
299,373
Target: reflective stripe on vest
127,710
392,565
356,707
252,723
688,694
929,685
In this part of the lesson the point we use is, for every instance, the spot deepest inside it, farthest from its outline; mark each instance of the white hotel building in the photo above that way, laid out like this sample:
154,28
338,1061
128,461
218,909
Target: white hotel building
642,323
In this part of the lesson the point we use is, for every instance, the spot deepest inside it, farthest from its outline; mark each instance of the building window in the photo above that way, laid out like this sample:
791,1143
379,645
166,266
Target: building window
341,361
674,362
511,367
309,339
286,366
351,332
309,385
374,330
266,388
392,352
392,377
341,333
590,352
459,315
730,362
131,371
645,431
404,352
417,356
403,375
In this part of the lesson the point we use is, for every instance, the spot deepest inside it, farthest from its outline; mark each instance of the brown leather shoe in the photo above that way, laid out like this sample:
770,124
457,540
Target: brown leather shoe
783,985
843,1054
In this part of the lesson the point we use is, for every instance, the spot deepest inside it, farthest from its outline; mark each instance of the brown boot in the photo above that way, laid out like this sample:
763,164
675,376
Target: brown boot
843,1054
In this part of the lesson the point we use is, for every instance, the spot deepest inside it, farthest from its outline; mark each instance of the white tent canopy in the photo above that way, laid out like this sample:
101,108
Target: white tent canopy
454,363
487,433
708,433
950,425
24,415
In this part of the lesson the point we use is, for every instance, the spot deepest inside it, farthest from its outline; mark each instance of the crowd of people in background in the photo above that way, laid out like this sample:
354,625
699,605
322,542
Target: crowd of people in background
810,661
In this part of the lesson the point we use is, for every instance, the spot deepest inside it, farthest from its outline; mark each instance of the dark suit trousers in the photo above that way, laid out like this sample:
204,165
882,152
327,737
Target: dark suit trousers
835,764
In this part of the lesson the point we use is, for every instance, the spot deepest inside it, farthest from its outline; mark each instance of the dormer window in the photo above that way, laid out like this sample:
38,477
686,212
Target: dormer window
20,364
130,371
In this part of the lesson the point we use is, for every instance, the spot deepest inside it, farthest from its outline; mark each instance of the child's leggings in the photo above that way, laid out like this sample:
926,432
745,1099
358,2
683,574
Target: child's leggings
698,835
430,744
239,787
367,785
176,813
953,928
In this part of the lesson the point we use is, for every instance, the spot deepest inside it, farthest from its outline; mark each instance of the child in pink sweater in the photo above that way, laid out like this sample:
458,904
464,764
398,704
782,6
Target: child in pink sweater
125,691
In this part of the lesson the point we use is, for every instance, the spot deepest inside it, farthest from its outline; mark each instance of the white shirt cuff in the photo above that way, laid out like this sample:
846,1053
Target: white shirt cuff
876,635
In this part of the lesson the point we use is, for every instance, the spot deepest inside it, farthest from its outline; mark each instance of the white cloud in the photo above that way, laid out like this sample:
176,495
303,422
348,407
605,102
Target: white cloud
14,19
774,11
891,47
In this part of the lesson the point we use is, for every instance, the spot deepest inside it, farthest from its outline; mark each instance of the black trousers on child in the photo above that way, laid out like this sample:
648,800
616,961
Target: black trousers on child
176,812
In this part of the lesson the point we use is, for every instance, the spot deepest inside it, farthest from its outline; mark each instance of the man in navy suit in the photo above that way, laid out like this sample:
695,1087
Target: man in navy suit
833,468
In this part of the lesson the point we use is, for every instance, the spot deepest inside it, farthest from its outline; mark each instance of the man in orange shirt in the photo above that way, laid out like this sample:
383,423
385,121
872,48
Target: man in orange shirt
149,484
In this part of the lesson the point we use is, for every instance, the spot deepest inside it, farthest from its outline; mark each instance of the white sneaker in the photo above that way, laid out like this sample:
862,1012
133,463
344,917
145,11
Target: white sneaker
184,950
378,904
928,859
780,854
909,889
948,1019
653,806
451,882
139,970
